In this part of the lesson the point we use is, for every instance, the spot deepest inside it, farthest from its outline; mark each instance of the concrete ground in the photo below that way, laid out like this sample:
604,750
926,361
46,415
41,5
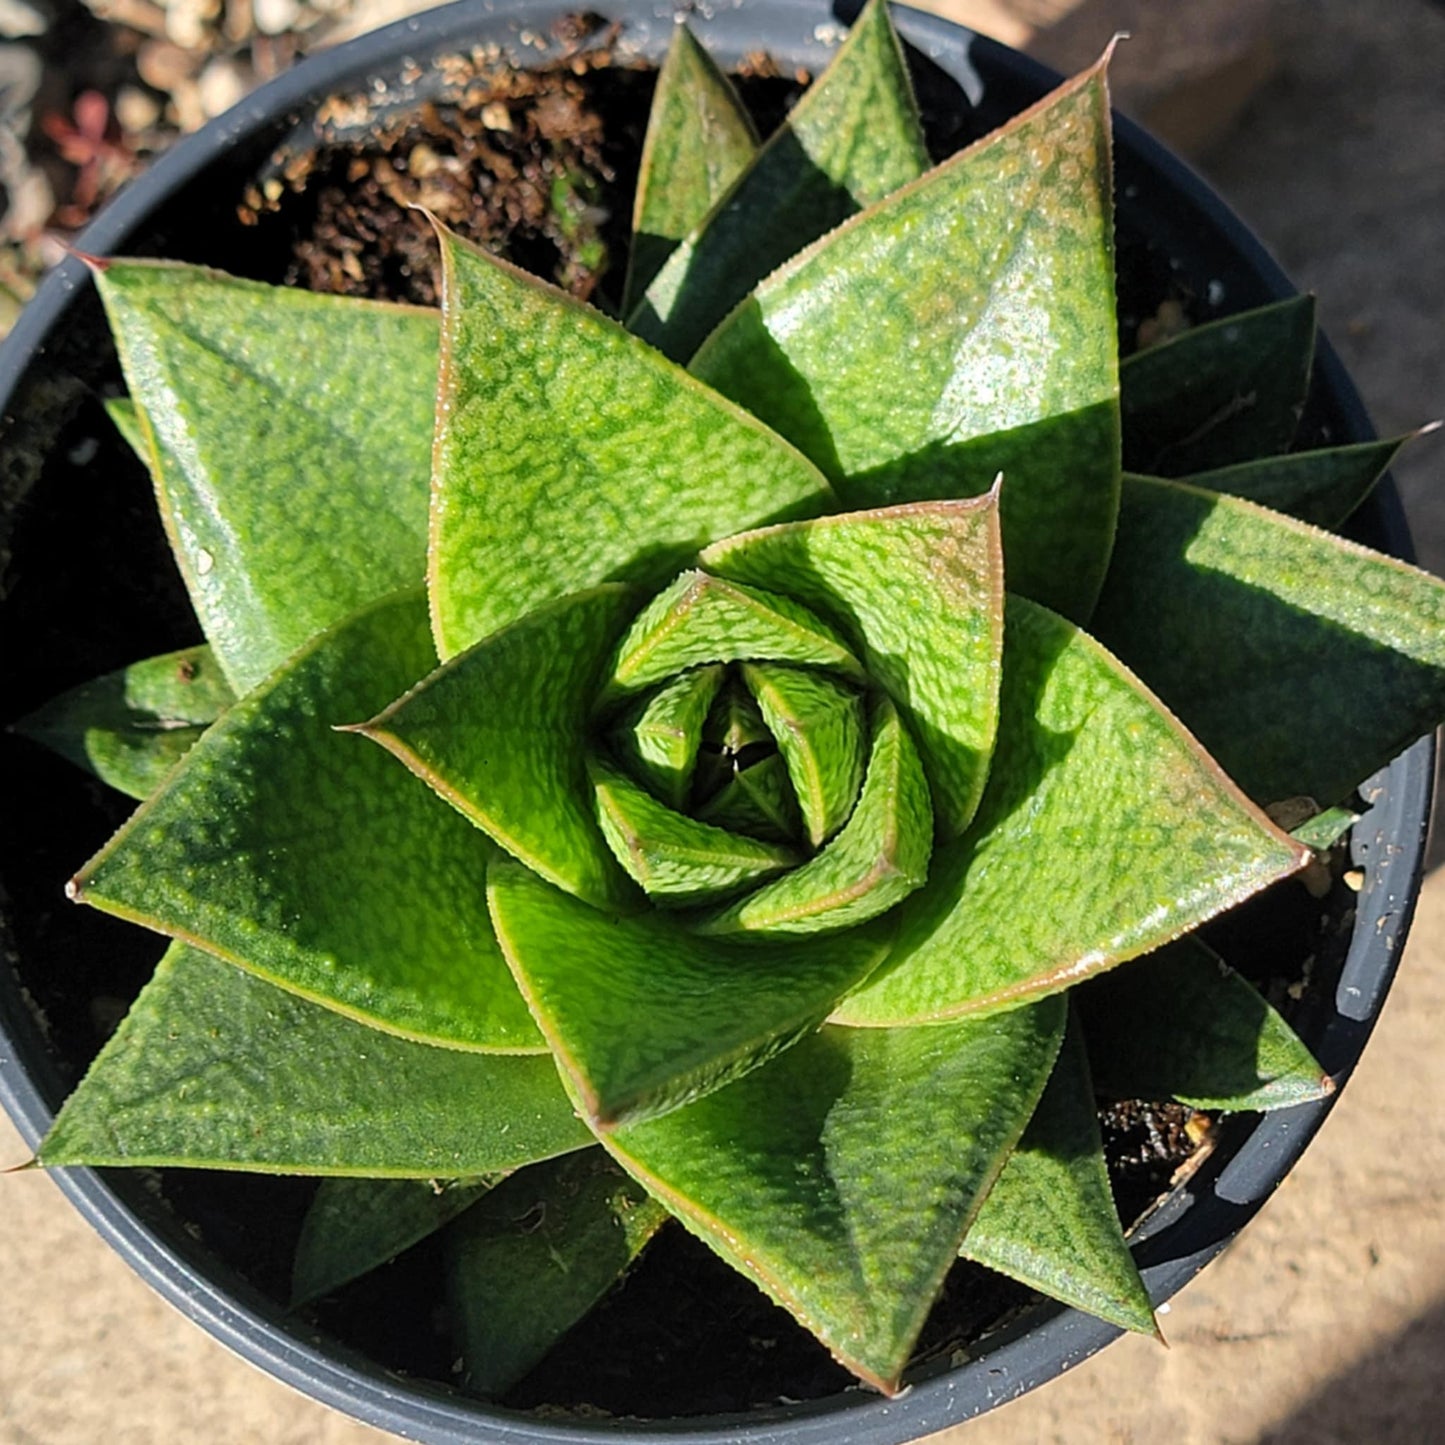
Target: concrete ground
1326,1321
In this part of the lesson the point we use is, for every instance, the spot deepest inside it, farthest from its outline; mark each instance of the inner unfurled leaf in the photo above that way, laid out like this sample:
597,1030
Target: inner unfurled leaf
961,329
635,466
678,861
854,138
757,800
879,858
131,727
842,1177
530,1260
643,1014
244,387
214,1068
499,732
1104,832
659,741
920,589
1050,1220
1181,1024
1303,662
311,858
1223,393
699,139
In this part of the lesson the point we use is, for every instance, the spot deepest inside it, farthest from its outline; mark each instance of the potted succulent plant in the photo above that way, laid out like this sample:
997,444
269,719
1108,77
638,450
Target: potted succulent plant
744,762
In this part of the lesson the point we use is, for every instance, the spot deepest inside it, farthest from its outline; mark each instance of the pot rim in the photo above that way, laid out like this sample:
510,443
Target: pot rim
1197,1219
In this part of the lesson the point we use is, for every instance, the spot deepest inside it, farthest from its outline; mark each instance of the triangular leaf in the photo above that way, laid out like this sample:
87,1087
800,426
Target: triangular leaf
962,328
1105,831
312,859
637,466
842,1177
215,1069
659,742
852,139
757,800
241,384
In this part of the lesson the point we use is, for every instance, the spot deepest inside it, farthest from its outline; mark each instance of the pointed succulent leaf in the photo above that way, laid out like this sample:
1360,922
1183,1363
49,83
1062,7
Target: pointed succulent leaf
983,297
644,1015
240,384
678,861
660,740
1319,487
499,733
355,1225
699,140
735,723
757,800
1303,662
214,1068
1050,1222
637,466
879,857
532,1258
818,725
1181,1024
848,1205
1325,829
131,727
852,139
700,619
310,858
1105,831
920,587
1221,394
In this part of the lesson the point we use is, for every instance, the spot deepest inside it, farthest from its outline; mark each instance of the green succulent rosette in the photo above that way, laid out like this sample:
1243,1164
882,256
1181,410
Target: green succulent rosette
661,770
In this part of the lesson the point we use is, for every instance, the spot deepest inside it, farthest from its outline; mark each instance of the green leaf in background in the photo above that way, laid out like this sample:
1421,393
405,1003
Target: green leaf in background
533,1257
880,856
131,727
659,740
843,1176
644,1015
1049,1222
1301,661
241,384
311,858
1105,831
699,140
216,1069
637,466
1325,829
498,732
920,588
960,329
1181,1024
852,139
1224,393
355,1225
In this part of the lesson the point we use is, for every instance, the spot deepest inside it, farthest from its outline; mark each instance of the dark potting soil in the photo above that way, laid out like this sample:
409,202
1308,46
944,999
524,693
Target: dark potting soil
541,167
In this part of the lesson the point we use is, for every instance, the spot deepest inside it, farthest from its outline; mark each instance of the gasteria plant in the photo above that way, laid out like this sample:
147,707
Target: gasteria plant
795,820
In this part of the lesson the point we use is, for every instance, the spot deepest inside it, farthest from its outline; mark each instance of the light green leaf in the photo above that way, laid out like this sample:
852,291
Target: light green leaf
1105,831
961,329
125,415
842,1177
499,732
1303,662
659,742
636,466
920,588
1181,1024
1221,394
851,140
879,858
644,1015
1325,829
311,858
216,1069
291,435
757,800
356,1225
1049,1222
530,1260
699,139
131,727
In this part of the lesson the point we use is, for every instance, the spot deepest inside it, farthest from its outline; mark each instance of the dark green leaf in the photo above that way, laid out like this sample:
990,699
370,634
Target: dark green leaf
757,800
1326,829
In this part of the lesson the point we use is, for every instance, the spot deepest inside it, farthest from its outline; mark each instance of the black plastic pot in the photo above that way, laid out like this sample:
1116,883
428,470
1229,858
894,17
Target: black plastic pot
59,515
